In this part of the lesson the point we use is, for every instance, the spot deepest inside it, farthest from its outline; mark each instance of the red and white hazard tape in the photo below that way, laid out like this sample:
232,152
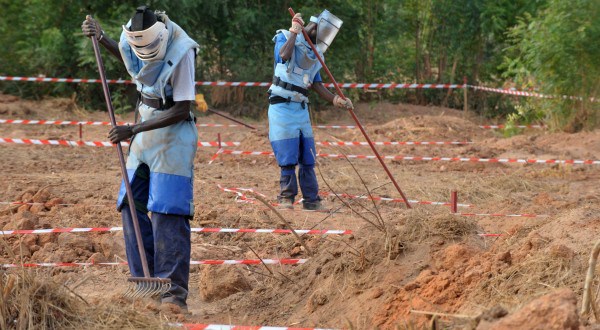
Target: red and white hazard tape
57,122
245,199
335,126
191,326
490,235
193,262
196,230
86,123
100,143
501,215
64,80
62,204
523,93
239,83
390,143
106,123
426,158
398,200
516,126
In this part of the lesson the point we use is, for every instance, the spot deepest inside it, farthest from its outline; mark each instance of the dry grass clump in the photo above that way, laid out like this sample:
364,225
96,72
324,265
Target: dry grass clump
539,272
419,225
29,301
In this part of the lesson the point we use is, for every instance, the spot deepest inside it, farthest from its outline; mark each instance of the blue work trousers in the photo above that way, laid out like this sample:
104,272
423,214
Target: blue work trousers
288,183
166,238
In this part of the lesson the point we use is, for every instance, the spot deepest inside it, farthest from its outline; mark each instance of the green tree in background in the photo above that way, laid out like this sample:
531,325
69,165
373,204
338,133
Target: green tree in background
558,53
550,45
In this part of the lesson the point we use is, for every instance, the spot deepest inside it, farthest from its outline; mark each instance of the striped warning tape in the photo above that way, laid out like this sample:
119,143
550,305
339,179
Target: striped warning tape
100,143
245,199
399,200
61,204
192,262
239,83
87,123
426,158
531,94
106,123
335,126
390,143
504,126
490,235
197,326
58,122
223,143
196,230
501,215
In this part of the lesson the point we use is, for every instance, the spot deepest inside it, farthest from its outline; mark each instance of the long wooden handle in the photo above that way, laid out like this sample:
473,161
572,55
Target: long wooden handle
131,201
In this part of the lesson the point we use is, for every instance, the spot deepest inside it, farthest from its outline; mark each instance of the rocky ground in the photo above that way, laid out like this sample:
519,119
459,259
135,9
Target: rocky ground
399,268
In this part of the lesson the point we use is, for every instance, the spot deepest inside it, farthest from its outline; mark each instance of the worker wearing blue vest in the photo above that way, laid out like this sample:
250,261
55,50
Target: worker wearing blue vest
160,57
296,70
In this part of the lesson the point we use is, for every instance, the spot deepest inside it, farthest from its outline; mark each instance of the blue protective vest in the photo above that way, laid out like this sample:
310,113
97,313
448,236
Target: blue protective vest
168,151
299,70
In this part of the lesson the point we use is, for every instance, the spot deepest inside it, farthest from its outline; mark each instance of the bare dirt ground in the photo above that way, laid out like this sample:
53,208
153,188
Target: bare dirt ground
399,269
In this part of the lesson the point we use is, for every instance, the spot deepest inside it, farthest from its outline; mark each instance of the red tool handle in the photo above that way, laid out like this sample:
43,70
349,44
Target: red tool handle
111,114
339,91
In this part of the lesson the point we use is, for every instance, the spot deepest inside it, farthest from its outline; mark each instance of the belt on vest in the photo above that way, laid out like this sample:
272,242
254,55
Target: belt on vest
290,87
278,99
158,103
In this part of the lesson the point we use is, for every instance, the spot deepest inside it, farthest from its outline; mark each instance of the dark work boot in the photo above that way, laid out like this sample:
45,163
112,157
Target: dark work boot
288,185
313,206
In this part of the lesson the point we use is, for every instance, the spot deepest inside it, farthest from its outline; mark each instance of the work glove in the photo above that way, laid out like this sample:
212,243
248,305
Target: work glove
201,103
342,103
120,133
91,27
297,24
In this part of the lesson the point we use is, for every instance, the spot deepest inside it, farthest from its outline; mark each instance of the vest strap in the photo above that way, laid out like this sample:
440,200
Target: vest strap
158,103
290,87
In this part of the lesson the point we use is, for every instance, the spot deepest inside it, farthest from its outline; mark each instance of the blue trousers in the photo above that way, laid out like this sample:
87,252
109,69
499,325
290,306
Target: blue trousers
293,144
288,183
166,239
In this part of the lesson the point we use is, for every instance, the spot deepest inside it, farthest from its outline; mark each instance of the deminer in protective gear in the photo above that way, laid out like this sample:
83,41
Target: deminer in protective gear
160,57
290,132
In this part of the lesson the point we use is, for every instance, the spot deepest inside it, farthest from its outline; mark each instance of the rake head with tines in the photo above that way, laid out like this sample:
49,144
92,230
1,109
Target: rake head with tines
145,287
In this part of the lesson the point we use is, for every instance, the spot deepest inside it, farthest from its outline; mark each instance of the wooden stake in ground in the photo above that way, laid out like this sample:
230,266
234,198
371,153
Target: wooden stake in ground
588,301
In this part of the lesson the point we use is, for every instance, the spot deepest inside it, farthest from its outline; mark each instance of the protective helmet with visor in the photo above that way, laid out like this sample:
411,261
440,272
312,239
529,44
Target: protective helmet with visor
146,35
328,26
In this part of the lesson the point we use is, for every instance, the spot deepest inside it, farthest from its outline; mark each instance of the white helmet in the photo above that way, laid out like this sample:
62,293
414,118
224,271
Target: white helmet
328,26
149,44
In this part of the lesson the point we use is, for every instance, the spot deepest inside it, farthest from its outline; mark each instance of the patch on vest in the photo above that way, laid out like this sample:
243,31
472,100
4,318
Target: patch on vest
298,70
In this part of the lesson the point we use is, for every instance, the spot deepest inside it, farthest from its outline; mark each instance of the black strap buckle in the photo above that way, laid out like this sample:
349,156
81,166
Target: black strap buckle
290,87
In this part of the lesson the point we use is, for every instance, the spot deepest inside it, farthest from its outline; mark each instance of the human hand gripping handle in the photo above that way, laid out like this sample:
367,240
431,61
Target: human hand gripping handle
342,103
297,24
90,27
120,133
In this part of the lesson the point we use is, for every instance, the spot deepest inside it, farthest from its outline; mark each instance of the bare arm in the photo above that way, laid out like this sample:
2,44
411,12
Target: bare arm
323,92
288,47
111,45
179,112
91,28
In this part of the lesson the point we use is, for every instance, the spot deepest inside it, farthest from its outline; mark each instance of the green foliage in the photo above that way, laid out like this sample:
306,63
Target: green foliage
558,52
525,114
546,44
